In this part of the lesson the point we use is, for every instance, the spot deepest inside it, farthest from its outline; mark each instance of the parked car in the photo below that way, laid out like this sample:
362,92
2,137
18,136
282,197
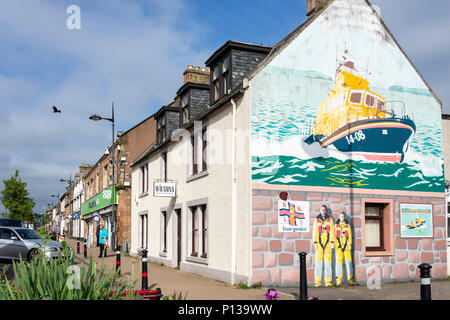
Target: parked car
4,222
26,243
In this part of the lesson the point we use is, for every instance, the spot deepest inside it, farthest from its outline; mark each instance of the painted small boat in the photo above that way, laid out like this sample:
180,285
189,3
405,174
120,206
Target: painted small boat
417,223
355,120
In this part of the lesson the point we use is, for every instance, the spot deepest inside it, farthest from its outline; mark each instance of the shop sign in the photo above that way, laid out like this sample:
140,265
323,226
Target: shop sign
99,201
164,189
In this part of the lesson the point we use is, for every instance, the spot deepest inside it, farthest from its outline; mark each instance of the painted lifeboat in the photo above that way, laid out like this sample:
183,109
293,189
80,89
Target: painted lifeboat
417,223
355,120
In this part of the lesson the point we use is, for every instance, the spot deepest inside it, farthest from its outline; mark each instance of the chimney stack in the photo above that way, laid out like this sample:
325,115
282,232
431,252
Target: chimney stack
315,5
196,74
84,169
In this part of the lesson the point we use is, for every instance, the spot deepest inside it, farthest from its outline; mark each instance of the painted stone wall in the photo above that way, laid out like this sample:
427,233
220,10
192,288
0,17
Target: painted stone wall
275,259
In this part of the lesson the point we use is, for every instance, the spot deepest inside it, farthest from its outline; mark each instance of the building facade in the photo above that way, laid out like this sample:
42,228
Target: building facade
107,202
77,225
356,129
335,119
446,149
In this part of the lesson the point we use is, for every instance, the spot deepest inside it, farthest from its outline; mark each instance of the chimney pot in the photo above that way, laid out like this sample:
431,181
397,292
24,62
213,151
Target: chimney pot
196,74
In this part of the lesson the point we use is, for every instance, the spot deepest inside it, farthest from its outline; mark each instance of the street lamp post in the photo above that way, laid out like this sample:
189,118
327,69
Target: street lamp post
96,117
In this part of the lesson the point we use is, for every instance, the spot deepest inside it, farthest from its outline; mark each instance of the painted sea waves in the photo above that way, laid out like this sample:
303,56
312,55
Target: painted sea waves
282,116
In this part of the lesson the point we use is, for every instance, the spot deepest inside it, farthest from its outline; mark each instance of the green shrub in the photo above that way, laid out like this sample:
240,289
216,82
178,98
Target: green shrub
58,279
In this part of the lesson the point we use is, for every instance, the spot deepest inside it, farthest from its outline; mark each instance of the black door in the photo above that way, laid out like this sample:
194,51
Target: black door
178,213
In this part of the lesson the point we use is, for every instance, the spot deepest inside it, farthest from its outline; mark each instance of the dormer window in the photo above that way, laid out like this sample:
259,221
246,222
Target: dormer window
226,75
191,99
162,128
185,108
216,75
221,78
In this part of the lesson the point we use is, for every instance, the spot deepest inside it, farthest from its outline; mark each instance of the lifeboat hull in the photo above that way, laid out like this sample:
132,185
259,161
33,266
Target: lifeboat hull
384,140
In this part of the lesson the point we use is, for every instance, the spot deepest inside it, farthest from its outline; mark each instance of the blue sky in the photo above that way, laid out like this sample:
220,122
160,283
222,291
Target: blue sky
134,53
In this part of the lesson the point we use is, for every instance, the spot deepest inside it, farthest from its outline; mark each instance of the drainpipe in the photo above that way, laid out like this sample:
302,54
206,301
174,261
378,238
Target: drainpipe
233,197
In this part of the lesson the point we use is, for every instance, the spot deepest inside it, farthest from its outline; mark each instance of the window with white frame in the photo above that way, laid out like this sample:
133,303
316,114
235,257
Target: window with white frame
199,149
194,154
204,149
143,175
143,231
199,231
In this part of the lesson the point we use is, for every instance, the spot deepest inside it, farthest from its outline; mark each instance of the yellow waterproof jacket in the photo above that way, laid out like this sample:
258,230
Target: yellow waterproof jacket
343,235
324,231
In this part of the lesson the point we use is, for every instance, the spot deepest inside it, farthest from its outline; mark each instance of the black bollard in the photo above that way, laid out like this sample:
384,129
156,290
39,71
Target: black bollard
144,270
78,245
303,278
85,249
425,285
118,259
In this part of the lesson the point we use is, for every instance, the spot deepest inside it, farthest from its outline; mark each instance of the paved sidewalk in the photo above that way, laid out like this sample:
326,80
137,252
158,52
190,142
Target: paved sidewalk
198,288
440,290
172,280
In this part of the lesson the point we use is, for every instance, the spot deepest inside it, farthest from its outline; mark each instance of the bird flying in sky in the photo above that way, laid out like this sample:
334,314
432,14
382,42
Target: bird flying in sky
55,110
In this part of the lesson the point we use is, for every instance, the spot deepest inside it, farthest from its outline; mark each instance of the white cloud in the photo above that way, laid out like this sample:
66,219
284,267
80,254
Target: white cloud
132,53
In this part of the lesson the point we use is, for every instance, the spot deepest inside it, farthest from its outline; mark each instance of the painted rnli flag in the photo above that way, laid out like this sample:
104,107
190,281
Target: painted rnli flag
293,216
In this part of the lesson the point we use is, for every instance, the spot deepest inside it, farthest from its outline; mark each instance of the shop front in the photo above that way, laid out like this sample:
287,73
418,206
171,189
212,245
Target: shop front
98,210
77,226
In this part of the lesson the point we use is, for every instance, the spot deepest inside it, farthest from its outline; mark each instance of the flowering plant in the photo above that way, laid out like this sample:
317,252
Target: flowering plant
271,294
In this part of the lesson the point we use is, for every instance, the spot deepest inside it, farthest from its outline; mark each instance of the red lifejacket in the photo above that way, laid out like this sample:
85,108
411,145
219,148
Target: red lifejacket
327,228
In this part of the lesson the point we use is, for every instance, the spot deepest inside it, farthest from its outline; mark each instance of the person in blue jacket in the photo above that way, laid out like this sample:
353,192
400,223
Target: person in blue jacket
103,240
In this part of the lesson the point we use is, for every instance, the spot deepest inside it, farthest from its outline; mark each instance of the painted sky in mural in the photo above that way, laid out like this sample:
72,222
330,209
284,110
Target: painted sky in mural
310,127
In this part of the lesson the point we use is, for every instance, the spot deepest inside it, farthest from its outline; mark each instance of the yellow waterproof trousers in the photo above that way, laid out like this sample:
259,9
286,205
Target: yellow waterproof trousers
339,264
321,255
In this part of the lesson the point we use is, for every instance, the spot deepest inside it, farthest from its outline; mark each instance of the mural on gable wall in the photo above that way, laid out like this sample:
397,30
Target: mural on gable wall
341,106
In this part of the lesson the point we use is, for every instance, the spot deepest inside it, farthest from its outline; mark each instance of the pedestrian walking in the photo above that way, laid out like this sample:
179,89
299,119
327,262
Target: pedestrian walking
97,233
103,241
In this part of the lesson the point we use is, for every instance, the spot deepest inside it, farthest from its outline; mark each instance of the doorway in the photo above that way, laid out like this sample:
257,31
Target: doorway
178,233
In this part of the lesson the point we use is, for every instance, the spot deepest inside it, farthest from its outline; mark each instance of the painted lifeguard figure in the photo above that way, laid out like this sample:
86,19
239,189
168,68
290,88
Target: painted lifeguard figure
324,238
343,247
